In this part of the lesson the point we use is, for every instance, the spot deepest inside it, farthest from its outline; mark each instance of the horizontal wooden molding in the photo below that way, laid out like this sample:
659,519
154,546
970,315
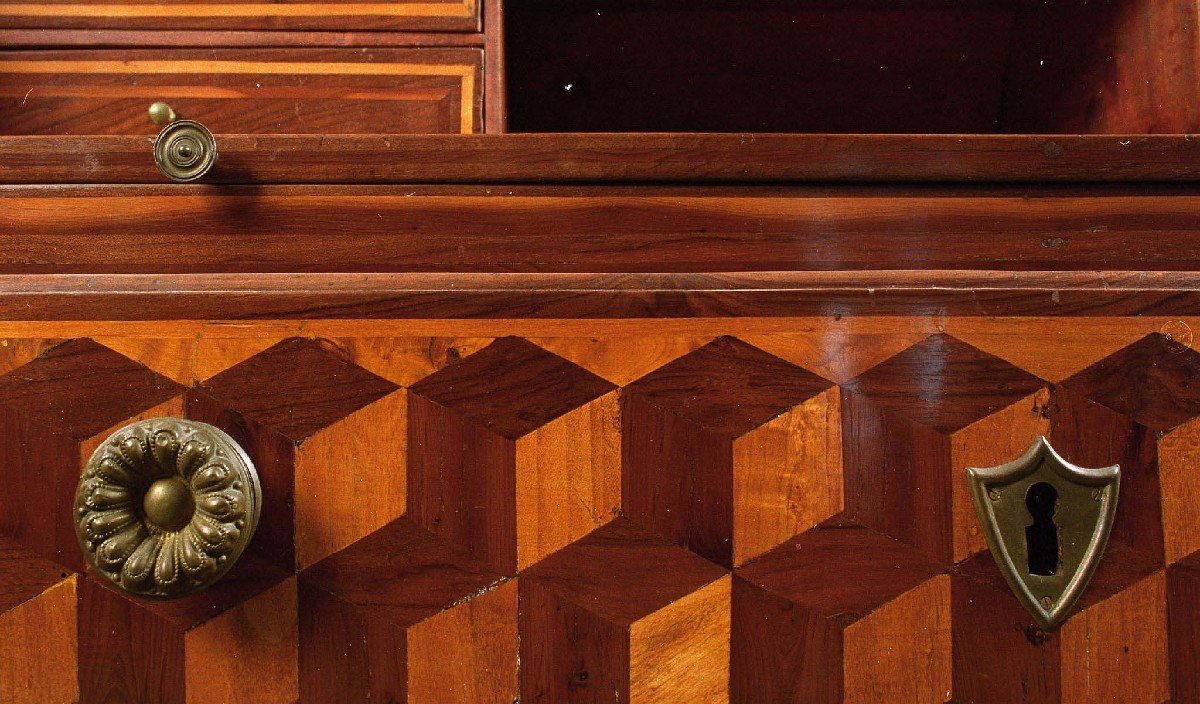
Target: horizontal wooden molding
557,296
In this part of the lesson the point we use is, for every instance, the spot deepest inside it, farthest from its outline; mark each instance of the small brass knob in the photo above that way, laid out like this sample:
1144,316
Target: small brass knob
184,150
162,114
166,506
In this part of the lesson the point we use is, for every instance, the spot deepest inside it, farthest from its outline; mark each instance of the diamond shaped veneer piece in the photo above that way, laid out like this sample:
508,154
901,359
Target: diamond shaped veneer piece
54,411
37,605
915,422
840,614
1155,381
299,410
403,616
513,453
623,615
729,450
1138,407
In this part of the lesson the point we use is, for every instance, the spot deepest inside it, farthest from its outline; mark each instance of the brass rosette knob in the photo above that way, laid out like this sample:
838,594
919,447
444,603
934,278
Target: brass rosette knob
185,151
166,506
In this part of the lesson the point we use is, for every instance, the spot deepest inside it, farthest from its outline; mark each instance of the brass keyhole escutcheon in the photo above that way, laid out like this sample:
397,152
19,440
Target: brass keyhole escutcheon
1047,523
166,506
184,150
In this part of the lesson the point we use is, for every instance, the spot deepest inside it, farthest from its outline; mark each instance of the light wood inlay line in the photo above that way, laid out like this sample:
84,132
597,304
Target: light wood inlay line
400,9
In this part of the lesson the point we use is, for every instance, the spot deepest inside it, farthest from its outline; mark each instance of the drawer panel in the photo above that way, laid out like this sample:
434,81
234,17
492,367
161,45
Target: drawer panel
255,92
449,15
711,510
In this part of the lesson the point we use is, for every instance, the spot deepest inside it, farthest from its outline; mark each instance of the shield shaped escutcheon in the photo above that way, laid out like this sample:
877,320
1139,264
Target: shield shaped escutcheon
1047,523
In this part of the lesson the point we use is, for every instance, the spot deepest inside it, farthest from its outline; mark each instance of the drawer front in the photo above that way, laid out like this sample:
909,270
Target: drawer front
243,92
450,15
703,510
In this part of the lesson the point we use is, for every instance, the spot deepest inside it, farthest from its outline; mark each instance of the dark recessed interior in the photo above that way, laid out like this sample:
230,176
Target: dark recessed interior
873,66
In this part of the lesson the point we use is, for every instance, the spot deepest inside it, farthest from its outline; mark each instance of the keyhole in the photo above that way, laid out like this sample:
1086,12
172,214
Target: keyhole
1041,537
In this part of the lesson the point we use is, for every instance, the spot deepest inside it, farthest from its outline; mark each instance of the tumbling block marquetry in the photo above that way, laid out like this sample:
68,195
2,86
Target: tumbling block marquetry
234,641
38,664
622,358
403,616
1113,647
787,475
916,422
513,453
840,614
54,411
326,437
407,360
1138,407
623,615
729,450
16,351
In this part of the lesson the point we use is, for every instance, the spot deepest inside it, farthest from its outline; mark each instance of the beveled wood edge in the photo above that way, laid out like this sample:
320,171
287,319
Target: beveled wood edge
454,295
609,158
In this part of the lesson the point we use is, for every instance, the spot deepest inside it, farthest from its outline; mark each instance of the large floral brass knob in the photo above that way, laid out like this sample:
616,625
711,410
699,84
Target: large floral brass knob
166,506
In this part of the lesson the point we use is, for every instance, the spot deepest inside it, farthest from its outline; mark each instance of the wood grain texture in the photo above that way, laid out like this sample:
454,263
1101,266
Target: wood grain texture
902,418
681,651
623,158
469,428
272,404
294,91
403,613
45,673
405,360
350,478
136,650
795,607
583,606
297,387
262,673
1092,435
835,612
568,478
901,652
1178,457
256,39
52,409
31,297
771,233
680,424
467,654
787,475
1183,591
450,15
494,68
1116,651
1151,381
999,655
